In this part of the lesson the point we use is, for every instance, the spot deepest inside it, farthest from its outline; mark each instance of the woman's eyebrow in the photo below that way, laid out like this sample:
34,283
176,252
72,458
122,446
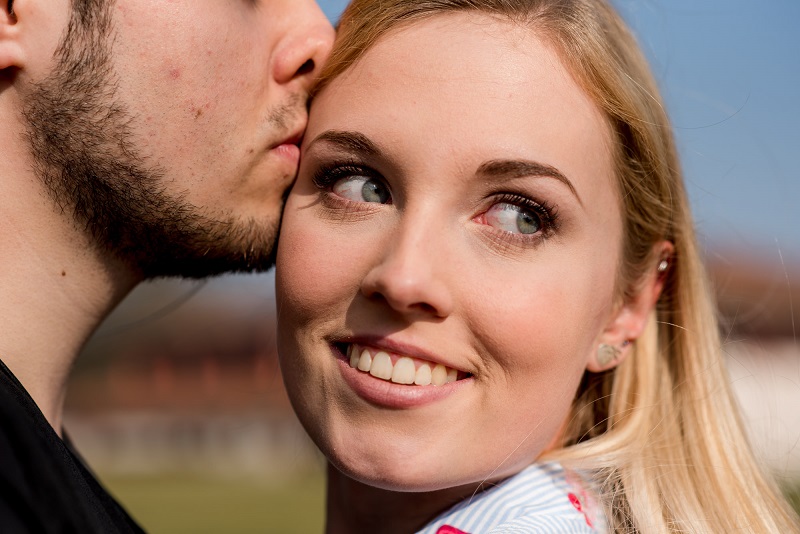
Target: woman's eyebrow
500,168
504,168
350,141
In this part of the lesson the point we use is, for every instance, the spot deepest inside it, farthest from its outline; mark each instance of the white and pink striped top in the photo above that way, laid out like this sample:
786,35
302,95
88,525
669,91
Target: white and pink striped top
541,499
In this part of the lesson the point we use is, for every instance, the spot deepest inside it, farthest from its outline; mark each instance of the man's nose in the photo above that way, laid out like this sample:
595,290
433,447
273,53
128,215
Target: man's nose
306,46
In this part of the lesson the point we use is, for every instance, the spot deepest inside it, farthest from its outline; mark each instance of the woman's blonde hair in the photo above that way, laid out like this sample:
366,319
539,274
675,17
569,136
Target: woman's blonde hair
659,436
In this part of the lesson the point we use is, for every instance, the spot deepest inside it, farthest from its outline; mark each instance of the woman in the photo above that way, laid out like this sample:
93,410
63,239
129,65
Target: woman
492,310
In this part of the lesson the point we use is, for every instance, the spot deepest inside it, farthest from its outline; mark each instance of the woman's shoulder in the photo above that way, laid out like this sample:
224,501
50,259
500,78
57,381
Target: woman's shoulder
543,498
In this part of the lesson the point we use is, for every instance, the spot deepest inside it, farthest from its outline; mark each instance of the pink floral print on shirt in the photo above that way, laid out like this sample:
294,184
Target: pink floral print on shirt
581,499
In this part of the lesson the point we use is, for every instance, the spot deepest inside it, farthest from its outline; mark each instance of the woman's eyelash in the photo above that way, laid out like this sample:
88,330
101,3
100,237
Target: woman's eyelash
326,175
547,212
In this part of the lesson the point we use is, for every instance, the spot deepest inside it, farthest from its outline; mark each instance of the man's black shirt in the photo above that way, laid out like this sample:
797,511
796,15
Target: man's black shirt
44,485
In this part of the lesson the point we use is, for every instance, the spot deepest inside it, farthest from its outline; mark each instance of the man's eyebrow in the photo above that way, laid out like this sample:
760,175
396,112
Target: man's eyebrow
504,168
350,141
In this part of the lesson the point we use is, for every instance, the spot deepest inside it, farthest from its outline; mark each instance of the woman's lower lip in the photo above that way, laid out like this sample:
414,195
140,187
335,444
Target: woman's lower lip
390,395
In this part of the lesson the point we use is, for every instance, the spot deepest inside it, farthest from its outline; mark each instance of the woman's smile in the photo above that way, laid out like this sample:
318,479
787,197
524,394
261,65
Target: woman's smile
395,375
400,369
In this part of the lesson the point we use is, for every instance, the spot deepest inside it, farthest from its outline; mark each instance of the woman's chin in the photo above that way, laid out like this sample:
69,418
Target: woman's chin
394,472
398,478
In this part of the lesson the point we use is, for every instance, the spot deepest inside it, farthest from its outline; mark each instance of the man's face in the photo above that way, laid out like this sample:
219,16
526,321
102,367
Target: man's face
169,128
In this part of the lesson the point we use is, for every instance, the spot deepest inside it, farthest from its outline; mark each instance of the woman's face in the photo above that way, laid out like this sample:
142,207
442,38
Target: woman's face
455,207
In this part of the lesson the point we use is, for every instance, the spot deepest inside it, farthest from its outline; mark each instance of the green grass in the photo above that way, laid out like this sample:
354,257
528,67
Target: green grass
186,504
180,504
793,494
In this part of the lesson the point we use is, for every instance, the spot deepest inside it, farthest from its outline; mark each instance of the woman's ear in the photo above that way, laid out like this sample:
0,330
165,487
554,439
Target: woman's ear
10,46
629,321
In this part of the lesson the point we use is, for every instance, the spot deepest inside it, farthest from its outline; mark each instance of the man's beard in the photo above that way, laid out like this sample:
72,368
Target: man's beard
83,151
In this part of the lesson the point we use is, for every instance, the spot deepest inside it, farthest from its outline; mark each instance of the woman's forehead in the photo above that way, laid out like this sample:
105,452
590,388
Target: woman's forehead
468,86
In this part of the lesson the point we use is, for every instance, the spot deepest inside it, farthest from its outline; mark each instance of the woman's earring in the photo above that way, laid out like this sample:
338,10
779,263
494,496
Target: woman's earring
606,354
662,266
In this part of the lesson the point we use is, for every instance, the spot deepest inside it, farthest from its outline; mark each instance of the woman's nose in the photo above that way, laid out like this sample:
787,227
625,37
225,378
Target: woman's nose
306,45
411,278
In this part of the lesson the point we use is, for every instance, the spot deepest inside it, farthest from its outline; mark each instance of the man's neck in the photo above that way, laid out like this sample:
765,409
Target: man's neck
55,289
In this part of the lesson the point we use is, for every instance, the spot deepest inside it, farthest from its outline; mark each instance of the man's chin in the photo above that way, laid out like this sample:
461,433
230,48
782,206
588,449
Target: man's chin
207,252
196,268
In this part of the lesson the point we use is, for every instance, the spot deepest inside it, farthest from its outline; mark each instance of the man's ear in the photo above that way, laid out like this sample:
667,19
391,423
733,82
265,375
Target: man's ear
10,47
628,322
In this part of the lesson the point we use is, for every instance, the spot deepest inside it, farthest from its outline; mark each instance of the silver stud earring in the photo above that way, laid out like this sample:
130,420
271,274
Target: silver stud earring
662,267
606,354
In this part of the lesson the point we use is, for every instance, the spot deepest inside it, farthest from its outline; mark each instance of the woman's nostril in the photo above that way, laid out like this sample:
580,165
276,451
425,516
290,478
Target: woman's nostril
425,307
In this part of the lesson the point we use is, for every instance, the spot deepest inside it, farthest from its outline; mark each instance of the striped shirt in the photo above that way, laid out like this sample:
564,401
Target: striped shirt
541,499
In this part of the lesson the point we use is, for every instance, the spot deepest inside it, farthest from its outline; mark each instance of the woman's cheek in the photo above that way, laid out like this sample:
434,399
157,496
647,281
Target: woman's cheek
303,267
540,327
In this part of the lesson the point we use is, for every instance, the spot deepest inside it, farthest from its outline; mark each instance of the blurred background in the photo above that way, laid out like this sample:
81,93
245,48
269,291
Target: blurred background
178,404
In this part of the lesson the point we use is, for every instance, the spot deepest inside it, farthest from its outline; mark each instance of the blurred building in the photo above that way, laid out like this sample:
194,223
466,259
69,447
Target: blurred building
185,378
759,304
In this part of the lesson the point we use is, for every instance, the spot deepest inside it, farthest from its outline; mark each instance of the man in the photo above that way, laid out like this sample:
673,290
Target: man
140,138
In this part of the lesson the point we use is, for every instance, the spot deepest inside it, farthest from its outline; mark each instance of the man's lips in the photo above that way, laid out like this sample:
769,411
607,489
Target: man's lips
290,152
294,139
289,147
294,135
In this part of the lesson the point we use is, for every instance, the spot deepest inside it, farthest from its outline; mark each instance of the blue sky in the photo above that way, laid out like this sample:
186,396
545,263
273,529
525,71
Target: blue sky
730,74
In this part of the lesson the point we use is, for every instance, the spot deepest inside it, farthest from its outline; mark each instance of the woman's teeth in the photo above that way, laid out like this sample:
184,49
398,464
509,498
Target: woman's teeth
404,370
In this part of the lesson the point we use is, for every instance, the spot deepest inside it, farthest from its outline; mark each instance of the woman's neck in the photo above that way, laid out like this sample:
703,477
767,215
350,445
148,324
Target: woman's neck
352,506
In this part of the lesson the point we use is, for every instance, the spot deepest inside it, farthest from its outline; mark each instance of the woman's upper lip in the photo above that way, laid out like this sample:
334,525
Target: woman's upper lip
401,348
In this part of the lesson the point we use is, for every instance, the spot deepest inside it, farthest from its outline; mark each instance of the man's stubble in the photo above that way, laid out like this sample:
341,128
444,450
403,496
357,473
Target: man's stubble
84,153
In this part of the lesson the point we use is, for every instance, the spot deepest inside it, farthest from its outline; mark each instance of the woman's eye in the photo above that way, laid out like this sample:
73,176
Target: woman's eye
513,218
362,189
